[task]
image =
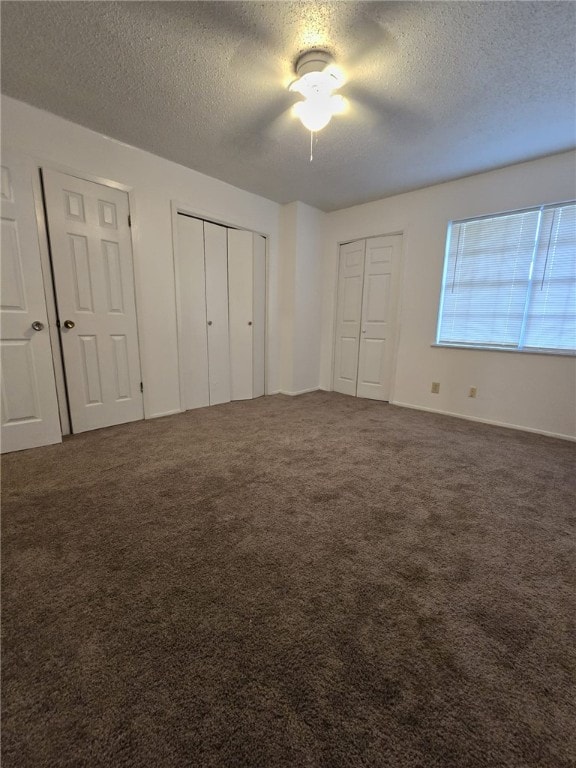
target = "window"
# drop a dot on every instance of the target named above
(510, 281)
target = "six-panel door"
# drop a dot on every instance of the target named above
(349, 316)
(94, 281)
(366, 316)
(377, 335)
(29, 405)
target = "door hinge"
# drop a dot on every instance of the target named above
(129, 220)
(141, 386)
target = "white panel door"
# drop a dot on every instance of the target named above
(94, 281)
(29, 405)
(259, 315)
(377, 338)
(241, 289)
(194, 390)
(348, 316)
(216, 261)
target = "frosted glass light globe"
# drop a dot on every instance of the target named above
(314, 114)
(319, 104)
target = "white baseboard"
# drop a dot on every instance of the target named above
(294, 394)
(486, 421)
(164, 413)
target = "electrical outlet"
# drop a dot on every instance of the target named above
(435, 387)
(472, 392)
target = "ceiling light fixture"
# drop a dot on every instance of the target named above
(317, 80)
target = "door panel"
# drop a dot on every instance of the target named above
(120, 344)
(91, 369)
(348, 359)
(29, 406)
(378, 317)
(80, 271)
(94, 281)
(113, 277)
(241, 286)
(373, 360)
(192, 305)
(352, 290)
(216, 261)
(19, 384)
(13, 298)
(349, 314)
(377, 298)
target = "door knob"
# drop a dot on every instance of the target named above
(209, 322)
(364, 330)
(37, 325)
(69, 323)
(249, 322)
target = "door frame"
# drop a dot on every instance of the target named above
(49, 288)
(339, 244)
(224, 220)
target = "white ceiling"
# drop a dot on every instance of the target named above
(438, 90)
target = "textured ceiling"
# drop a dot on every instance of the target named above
(438, 90)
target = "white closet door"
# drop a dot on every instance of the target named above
(192, 314)
(94, 280)
(241, 289)
(259, 315)
(349, 315)
(216, 262)
(378, 317)
(29, 406)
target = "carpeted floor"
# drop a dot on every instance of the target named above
(311, 581)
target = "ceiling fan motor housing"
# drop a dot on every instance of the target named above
(312, 61)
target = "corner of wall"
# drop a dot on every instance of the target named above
(301, 229)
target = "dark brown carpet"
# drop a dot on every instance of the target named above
(312, 581)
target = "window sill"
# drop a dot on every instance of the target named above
(556, 352)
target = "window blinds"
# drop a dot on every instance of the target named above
(551, 316)
(510, 281)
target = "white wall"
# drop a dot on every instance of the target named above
(531, 391)
(301, 238)
(308, 298)
(288, 223)
(154, 182)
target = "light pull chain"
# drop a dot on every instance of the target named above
(313, 140)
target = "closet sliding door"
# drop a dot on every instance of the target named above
(193, 341)
(221, 278)
(216, 266)
(246, 281)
